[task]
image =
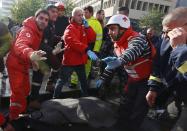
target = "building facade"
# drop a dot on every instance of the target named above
(137, 8)
(182, 3)
(6, 6)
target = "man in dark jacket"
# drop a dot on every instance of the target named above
(60, 25)
(52, 48)
(170, 63)
(62, 21)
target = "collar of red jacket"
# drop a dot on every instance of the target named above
(128, 34)
(31, 23)
(76, 24)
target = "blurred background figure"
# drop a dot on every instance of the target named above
(100, 16)
(123, 10)
(152, 36)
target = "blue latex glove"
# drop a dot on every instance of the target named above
(109, 59)
(99, 83)
(113, 64)
(92, 55)
(85, 23)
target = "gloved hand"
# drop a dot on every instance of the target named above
(99, 83)
(113, 64)
(109, 59)
(37, 56)
(85, 23)
(92, 55)
(57, 49)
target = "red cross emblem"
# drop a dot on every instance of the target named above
(125, 19)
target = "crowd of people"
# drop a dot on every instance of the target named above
(66, 48)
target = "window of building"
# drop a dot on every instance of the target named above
(161, 8)
(121, 3)
(145, 6)
(150, 6)
(113, 2)
(109, 3)
(127, 3)
(139, 5)
(105, 4)
(156, 6)
(166, 9)
(133, 4)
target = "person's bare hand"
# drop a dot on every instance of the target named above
(178, 36)
(37, 55)
(151, 97)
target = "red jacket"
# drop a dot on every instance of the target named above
(27, 40)
(140, 68)
(76, 39)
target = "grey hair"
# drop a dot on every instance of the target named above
(76, 9)
(179, 13)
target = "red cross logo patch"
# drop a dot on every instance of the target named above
(125, 19)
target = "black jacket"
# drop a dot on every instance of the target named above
(48, 43)
(170, 68)
(60, 25)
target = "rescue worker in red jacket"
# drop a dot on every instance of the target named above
(134, 53)
(23, 53)
(76, 38)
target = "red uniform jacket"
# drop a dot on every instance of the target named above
(18, 64)
(77, 38)
(139, 61)
(27, 40)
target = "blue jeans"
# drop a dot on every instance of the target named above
(64, 76)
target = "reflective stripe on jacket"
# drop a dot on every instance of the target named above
(96, 26)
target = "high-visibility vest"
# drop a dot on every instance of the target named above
(96, 26)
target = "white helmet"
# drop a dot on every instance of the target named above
(122, 20)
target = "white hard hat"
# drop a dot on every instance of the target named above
(119, 19)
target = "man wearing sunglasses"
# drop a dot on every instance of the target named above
(170, 65)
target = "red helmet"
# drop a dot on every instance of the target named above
(60, 5)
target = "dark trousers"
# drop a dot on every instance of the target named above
(64, 76)
(37, 80)
(181, 97)
(133, 107)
